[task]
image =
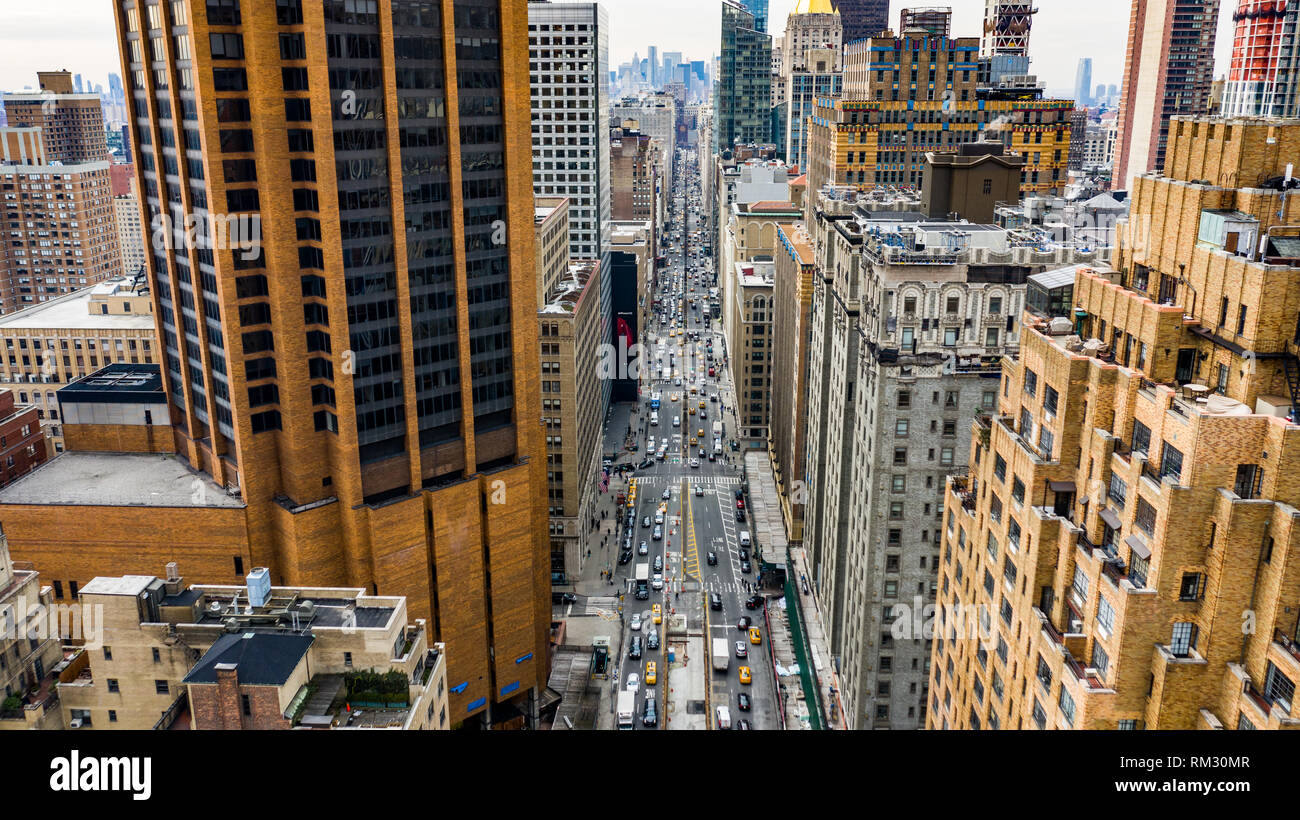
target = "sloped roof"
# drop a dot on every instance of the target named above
(261, 658)
(1105, 202)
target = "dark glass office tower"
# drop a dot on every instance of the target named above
(742, 101)
(862, 18)
(758, 8)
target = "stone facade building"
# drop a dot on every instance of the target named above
(1131, 503)
(909, 320)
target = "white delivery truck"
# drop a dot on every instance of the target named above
(721, 655)
(717, 429)
(724, 717)
(626, 708)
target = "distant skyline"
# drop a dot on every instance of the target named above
(1062, 32)
(77, 35)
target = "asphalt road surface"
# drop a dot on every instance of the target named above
(694, 524)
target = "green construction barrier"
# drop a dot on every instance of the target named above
(811, 694)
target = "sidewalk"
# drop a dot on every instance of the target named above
(604, 541)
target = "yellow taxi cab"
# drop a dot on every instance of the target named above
(657, 612)
(694, 390)
(692, 411)
(676, 397)
(694, 441)
(745, 677)
(700, 432)
(651, 678)
(755, 637)
(702, 403)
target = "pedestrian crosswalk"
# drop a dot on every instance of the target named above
(691, 478)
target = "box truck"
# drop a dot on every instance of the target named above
(721, 655)
(626, 708)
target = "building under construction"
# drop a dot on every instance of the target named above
(937, 20)
(1006, 28)
(1264, 76)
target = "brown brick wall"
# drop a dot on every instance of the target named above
(220, 705)
(119, 438)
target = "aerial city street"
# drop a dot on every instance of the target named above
(696, 365)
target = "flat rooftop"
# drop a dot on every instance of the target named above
(117, 480)
(119, 382)
(72, 312)
(131, 585)
(328, 612)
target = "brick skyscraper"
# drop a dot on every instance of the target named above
(1123, 553)
(72, 123)
(362, 384)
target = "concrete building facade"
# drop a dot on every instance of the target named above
(909, 320)
(569, 71)
(572, 411)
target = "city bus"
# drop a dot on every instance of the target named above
(642, 581)
(654, 401)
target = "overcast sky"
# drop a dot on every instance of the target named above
(78, 35)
